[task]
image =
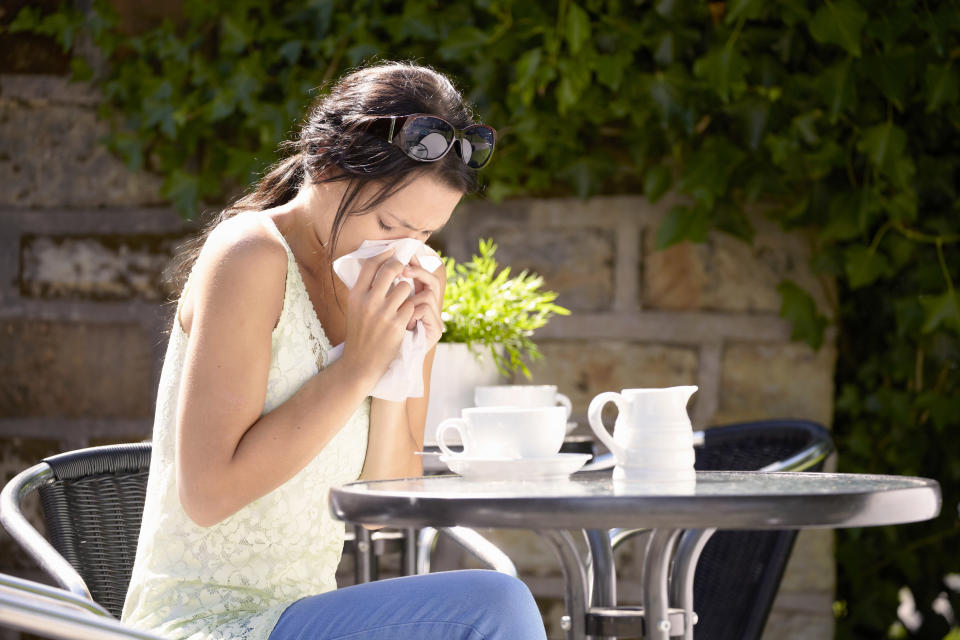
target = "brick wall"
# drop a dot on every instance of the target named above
(83, 327)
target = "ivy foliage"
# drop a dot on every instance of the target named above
(838, 117)
(484, 306)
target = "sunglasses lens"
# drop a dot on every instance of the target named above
(427, 138)
(477, 145)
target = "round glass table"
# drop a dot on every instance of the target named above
(593, 500)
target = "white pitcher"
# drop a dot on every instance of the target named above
(652, 438)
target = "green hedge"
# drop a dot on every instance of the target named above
(836, 117)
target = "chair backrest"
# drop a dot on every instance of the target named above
(92, 508)
(739, 572)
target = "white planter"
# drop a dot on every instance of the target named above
(456, 371)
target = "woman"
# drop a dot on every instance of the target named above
(255, 421)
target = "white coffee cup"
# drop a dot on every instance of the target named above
(506, 432)
(520, 395)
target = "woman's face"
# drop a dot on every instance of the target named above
(415, 211)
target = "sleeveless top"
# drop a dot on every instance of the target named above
(233, 580)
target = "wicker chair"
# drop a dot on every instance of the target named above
(92, 502)
(735, 604)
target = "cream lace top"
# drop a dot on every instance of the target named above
(234, 579)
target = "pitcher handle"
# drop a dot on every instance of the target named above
(565, 403)
(594, 417)
(452, 423)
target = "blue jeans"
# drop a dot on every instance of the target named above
(451, 605)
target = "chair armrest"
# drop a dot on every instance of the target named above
(13, 520)
(56, 613)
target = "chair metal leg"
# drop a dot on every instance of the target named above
(575, 582)
(684, 567)
(659, 623)
(426, 540)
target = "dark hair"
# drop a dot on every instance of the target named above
(341, 141)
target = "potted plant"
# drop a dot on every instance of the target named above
(489, 320)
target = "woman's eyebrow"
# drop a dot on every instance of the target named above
(395, 219)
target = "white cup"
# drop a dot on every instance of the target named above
(521, 395)
(506, 432)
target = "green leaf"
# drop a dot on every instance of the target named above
(708, 170)
(183, 190)
(681, 223)
(836, 87)
(941, 311)
(657, 182)
(839, 23)
(526, 67)
(746, 9)
(578, 27)
(724, 69)
(461, 41)
(882, 144)
(864, 266)
(798, 307)
(891, 73)
(941, 84)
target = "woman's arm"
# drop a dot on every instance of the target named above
(227, 454)
(396, 432)
(396, 428)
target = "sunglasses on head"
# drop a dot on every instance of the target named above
(428, 138)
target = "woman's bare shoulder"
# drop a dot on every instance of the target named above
(242, 266)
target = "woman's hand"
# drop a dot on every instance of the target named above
(427, 300)
(378, 313)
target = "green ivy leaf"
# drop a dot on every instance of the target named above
(462, 40)
(941, 311)
(724, 69)
(837, 88)
(799, 308)
(839, 23)
(183, 189)
(746, 9)
(681, 223)
(941, 84)
(884, 146)
(864, 266)
(578, 27)
(891, 73)
(657, 182)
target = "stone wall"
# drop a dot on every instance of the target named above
(83, 323)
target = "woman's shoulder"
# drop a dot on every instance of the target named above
(242, 255)
(244, 241)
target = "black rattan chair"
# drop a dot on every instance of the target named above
(92, 502)
(739, 572)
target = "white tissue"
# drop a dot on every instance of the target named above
(404, 377)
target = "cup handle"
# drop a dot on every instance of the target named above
(565, 401)
(594, 413)
(446, 425)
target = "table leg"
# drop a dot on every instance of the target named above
(602, 571)
(574, 582)
(655, 573)
(362, 554)
(684, 567)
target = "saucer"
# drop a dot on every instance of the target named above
(561, 464)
